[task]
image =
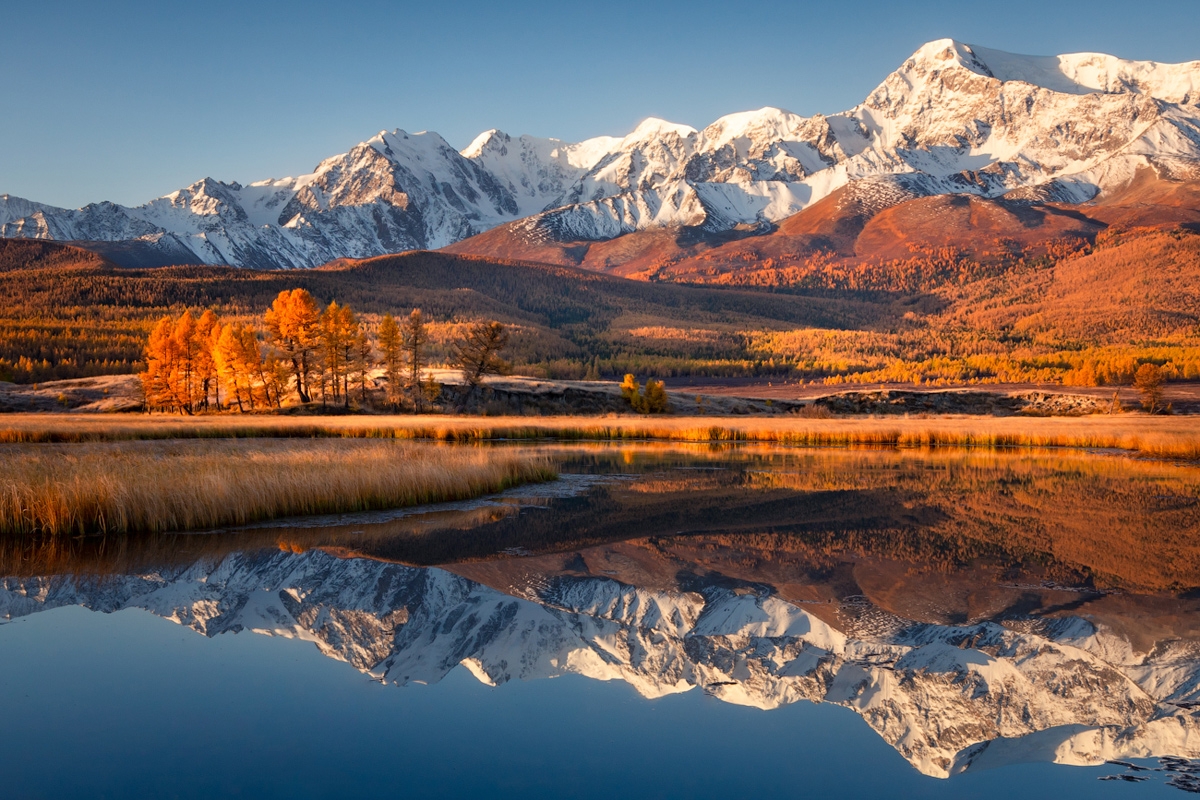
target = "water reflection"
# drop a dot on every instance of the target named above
(975, 609)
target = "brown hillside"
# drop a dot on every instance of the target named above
(866, 227)
(636, 255)
(1149, 201)
(18, 254)
(977, 226)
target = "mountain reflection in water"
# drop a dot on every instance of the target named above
(974, 609)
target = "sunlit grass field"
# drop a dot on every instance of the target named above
(180, 485)
(1164, 437)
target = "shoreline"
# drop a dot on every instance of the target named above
(181, 485)
(1175, 437)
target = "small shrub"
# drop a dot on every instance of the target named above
(814, 411)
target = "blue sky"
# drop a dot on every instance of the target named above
(126, 100)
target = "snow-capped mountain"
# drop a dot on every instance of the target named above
(953, 118)
(947, 698)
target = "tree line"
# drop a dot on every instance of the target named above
(306, 353)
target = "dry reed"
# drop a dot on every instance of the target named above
(190, 485)
(1161, 437)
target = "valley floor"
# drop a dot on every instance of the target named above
(704, 397)
(1184, 396)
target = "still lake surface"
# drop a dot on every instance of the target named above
(664, 621)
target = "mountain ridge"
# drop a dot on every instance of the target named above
(954, 118)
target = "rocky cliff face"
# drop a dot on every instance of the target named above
(952, 119)
(948, 698)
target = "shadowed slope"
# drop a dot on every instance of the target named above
(18, 254)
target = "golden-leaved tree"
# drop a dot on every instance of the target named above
(391, 348)
(180, 372)
(294, 324)
(250, 376)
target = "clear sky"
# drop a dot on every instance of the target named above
(126, 100)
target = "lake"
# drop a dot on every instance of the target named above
(664, 621)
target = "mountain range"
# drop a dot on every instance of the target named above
(960, 140)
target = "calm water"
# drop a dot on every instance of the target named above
(664, 622)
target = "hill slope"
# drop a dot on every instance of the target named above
(73, 320)
(1088, 316)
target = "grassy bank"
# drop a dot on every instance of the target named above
(117, 487)
(1162, 437)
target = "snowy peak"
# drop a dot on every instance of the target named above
(653, 129)
(1073, 73)
(765, 123)
(15, 208)
(489, 141)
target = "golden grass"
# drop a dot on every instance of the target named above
(1161, 437)
(119, 487)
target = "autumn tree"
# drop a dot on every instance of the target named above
(340, 331)
(649, 400)
(208, 328)
(241, 367)
(294, 324)
(160, 363)
(391, 348)
(180, 373)
(415, 338)
(225, 358)
(631, 391)
(183, 377)
(333, 347)
(478, 353)
(276, 374)
(356, 351)
(1148, 380)
(361, 361)
(654, 397)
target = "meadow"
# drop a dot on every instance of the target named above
(181, 485)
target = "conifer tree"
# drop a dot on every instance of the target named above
(478, 353)
(226, 356)
(160, 356)
(351, 330)
(183, 376)
(1148, 380)
(333, 345)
